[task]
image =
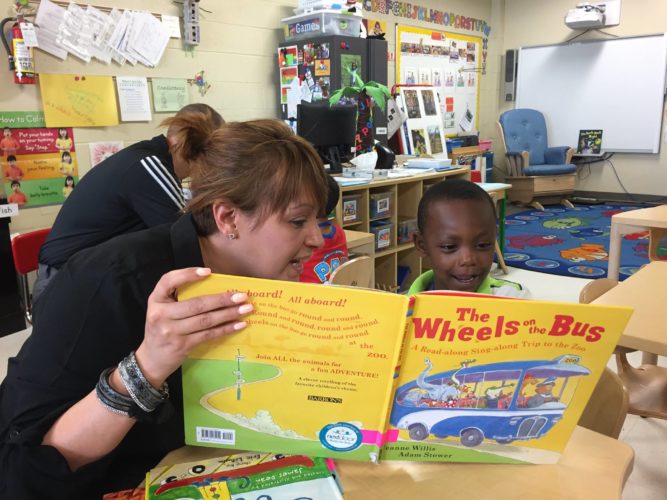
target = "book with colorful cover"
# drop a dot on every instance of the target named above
(244, 476)
(590, 142)
(362, 374)
(312, 373)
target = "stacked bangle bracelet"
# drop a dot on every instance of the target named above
(143, 399)
(147, 397)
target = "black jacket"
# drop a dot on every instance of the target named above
(92, 316)
(134, 189)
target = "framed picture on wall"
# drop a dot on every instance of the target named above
(422, 133)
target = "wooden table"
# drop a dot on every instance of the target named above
(654, 217)
(592, 466)
(360, 242)
(645, 292)
(498, 191)
(646, 331)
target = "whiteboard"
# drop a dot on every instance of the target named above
(616, 85)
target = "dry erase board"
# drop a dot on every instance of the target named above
(616, 85)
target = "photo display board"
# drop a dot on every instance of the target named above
(422, 132)
(450, 62)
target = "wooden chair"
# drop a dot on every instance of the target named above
(593, 289)
(606, 409)
(354, 272)
(646, 385)
(25, 251)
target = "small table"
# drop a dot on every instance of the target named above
(360, 242)
(654, 217)
(592, 466)
(645, 292)
(646, 331)
(497, 191)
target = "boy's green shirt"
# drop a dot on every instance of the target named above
(490, 286)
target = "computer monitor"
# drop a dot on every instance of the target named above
(331, 129)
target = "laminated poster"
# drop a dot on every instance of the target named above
(39, 165)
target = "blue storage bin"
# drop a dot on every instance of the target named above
(453, 143)
(489, 165)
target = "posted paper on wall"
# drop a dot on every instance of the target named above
(169, 94)
(133, 98)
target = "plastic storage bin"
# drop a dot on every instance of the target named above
(382, 231)
(406, 227)
(485, 144)
(351, 209)
(489, 165)
(381, 204)
(322, 22)
(453, 144)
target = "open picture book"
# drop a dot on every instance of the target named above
(361, 374)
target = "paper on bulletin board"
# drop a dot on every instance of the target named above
(100, 151)
(133, 98)
(169, 94)
(78, 101)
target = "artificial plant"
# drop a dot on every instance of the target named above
(363, 95)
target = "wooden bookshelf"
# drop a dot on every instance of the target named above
(405, 193)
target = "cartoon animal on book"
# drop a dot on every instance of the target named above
(437, 394)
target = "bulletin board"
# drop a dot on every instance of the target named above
(451, 63)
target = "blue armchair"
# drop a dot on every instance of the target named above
(536, 171)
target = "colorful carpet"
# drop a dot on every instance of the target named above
(572, 241)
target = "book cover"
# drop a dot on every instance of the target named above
(481, 379)
(312, 373)
(590, 142)
(244, 476)
(486, 379)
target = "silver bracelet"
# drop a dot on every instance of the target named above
(111, 399)
(147, 397)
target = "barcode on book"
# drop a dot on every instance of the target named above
(218, 436)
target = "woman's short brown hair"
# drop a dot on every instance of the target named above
(258, 166)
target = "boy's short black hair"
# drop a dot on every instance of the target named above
(11, 158)
(333, 194)
(15, 183)
(448, 190)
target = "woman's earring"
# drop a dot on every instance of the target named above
(231, 236)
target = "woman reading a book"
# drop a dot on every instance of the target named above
(93, 400)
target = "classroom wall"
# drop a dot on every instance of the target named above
(538, 22)
(237, 52)
(238, 41)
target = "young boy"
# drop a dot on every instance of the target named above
(8, 143)
(325, 260)
(17, 195)
(456, 223)
(13, 172)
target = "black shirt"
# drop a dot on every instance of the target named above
(92, 316)
(134, 189)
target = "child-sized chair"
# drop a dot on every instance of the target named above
(645, 384)
(607, 408)
(25, 251)
(354, 272)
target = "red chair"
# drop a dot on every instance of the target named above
(25, 250)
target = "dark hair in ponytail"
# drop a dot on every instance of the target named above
(190, 129)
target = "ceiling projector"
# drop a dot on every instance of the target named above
(585, 16)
